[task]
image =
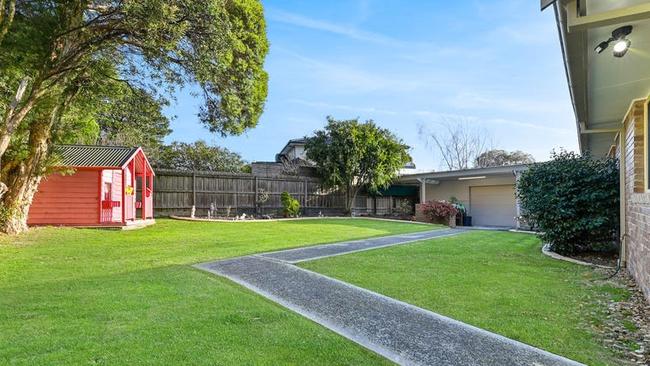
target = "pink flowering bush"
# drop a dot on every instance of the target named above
(437, 210)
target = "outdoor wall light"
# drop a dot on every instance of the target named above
(621, 47)
(621, 44)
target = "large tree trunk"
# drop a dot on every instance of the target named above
(14, 116)
(23, 182)
(350, 196)
(23, 178)
(16, 202)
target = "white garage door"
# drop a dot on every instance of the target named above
(493, 205)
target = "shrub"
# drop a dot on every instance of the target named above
(573, 200)
(290, 205)
(439, 210)
(459, 205)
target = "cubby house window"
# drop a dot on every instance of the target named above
(107, 191)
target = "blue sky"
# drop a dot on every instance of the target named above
(496, 64)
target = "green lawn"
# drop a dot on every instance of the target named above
(494, 280)
(71, 296)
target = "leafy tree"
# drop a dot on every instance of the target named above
(199, 156)
(7, 13)
(60, 61)
(350, 155)
(574, 200)
(494, 158)
(133, 119)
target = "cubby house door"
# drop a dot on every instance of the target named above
(111, 197)
(107, 210)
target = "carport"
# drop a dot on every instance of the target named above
(487, 193)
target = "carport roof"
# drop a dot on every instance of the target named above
(454, 174)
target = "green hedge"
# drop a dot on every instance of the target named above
(574, 201)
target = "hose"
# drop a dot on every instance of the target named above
(618, 262)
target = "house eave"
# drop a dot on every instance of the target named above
(455, 174)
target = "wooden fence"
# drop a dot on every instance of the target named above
(230, 194)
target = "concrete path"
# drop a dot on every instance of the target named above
(401, 332)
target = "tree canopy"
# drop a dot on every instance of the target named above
(63, 63)
(133, 119)
(350, 155)
(198, 156)
(492, 158)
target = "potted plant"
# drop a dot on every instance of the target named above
(461, 215)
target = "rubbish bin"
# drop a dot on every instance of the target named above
(467, 220)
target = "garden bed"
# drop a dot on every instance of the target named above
(271, 218)
(597, 258)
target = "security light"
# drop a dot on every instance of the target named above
(621, 44)
(621, 47)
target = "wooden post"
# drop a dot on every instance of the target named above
(256, 188)
(143, 195)
(236, 194)
(304, 182)
(99, 191)
(193, 188)
(123, 203)
(133, 195)
(374, 205)
(151, 187)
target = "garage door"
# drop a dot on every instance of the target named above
(493, 205)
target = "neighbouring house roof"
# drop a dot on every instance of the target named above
(454, 174)
(291, 143)
(97, 156)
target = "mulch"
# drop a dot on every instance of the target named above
(600, 258)
(626, 327)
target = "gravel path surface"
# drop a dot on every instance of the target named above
(403, 333)
(327, 250)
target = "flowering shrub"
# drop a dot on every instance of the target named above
(437, 210)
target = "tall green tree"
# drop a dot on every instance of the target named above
(198, 156)
(351, 155)
(58, 58)
(134, 118)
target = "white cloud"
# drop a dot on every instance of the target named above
(325, 26)
(346, 79)
(439, 117)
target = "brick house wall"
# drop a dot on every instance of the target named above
(637, 198)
